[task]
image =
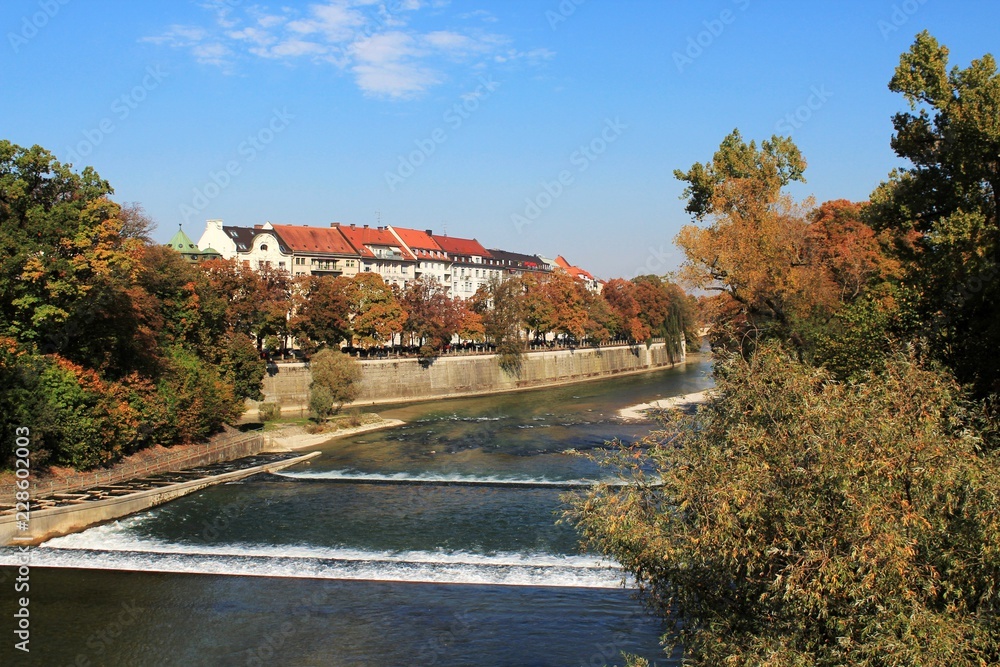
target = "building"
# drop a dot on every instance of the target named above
(471, 264)
(319, 251)
(432, 260)
(229, 241)
(580, 274)
(382, 253)
(190, 250)
(518, 264)
(400, 255)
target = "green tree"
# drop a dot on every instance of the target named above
(943, 208)
(336, 379)
(500, 302)
(799, 521)
(740, 178)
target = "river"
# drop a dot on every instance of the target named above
(434, 543)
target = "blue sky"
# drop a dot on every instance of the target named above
(548, 126)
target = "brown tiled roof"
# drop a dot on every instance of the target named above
(464, 247)
(365, 236)
(327, 240)
(420, 242)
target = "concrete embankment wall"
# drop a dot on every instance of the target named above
(188, 457)
(397, 380)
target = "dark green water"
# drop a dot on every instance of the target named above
(432, 543)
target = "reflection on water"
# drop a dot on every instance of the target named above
(467, 493)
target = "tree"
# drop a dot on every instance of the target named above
(799, 521)
(375, 311)
(854, 256)
(336, 380)
(258, 299)
(500, 303)
(431, 315)
(539, 309)
(568, 297)
(943, 209)
(741, 179)
(621, 297)
(322, 311)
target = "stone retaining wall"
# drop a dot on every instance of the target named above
(399, 380)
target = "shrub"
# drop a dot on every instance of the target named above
(269, 412)
(795, 520)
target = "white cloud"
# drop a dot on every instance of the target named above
(372, 39)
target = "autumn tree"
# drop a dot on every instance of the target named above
(741, 179)
(538, 308)
(800, 521)
(621, 297)
(375, 311)
(432, 316)
(111, 342)
(321, 311)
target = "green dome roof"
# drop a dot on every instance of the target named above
(183, 244)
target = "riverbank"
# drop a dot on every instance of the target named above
(640, 412)
(296, 437)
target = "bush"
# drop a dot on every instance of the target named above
(268, 412)
(795, 520)
(335, 380)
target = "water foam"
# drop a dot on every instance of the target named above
(456, 479)
(115, 547)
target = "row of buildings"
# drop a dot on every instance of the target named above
(398, 254)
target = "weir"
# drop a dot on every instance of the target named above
(404, 479)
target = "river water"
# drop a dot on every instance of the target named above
(434, 543)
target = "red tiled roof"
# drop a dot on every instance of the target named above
(419, 242)
(456, 246)
(299, 238)
(365, 236)
(574, 271)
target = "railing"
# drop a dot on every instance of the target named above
(484, 349)
(243, 444)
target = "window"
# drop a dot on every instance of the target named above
(263, 247)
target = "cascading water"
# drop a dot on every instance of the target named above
(457, 506)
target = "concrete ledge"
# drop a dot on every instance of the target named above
(49, 523)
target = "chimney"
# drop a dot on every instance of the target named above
(366, 226)
(335, 224)
(353, 226)
(429, 232)
(258, 226)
